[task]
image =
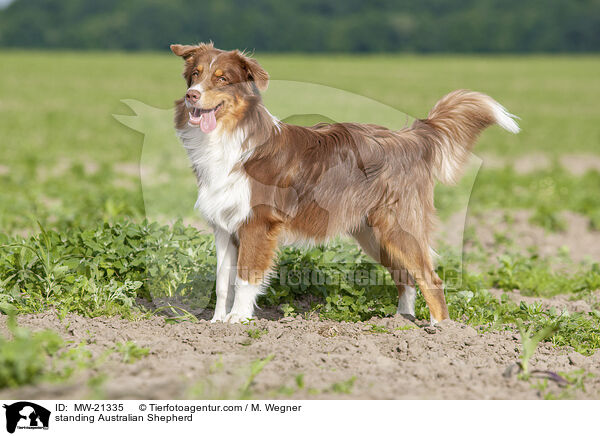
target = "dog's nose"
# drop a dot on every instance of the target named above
(192, 96)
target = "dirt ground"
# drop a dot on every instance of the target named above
(410, 360)
(582, 243)
(203, 360)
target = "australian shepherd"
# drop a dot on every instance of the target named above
(262, 182)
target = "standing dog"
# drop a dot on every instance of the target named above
(261, 181)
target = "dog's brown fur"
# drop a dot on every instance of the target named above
(361, 179)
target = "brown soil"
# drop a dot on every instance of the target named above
(576, 164)
(409, 361)
(582, 243)
(560, 302)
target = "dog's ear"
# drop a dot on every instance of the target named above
(254, 71)
(185, 51)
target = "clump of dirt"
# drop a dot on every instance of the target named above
(387, 358)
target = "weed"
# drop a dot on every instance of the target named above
(532, 275)
(33, 357)
(343, 387)
(377, 329)
(207, 389)
(300, 381)
(24, 359)
(288, 310)
(130, 352)
(406, 327)
(529, 342)
(255, 368)
(575, 381)
(217, 365)
(257, 333)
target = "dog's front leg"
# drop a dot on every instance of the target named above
(227, 254)
(257, 242)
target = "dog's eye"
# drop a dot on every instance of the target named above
(195, 74)
(221, 79)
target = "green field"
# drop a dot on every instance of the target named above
(57, 119)
(73, 230)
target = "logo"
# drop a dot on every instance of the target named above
(26, 415)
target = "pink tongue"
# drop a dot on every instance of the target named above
(208, 122)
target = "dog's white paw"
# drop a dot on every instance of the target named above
(218, 317)
(236, 318)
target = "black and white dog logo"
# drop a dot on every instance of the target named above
(26, 415)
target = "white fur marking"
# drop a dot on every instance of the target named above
(223, 194)
(276, 121)
(197, 87)
(406, 302)
(504, 119)
(226, 270)
(245, 297)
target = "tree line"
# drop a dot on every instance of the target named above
(466, 26)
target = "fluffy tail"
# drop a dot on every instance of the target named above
(453, 126)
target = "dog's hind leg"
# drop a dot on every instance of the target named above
(405, 284)
(406, 246)
(258, 242)
(407, 252)
(406, 300)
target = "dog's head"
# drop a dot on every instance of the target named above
(221, 85)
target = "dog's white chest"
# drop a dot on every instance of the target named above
(223, 193)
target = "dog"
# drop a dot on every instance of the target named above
(262, 182)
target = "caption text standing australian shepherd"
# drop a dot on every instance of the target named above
(262, 182)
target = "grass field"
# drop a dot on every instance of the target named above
(83, 232)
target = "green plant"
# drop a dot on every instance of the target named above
(406, 327)
(32, 357)
(529, 342)
(130, 351)
(343, 387)
(257, 333)
(374, 328)
(255, 368)
(25, 358)
(574, 382)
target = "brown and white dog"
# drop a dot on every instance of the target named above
(261, 181)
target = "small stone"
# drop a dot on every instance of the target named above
(431, 330)
(576, 359)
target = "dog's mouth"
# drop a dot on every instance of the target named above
(205, 118)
